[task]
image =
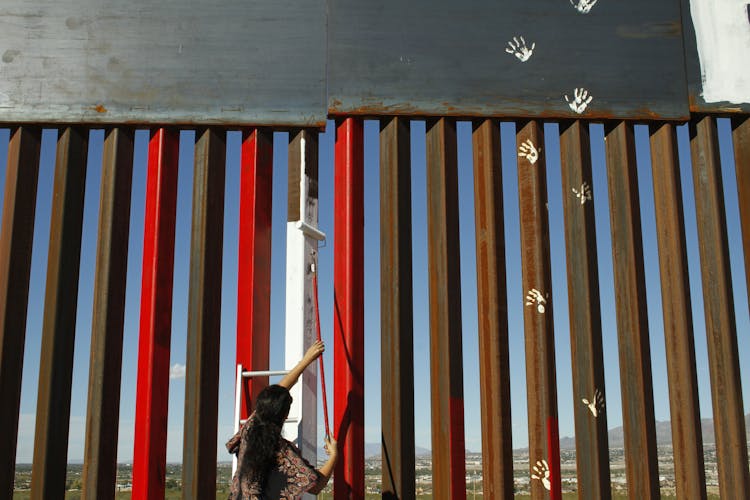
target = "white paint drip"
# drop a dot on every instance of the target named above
(722, 33)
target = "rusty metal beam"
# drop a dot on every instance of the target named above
(541, 386)
(204, 317)
(494, 366)
(687, 442)
(641, 466)
(446, 363)
(59, 325)
(721, 330)
(254, 263)
(592, 443)
(16, 238)
(396, 311)
(741, 139)
(105, 366)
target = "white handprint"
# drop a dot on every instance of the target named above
(529, 151)
(541, 472)
(596, 404)
(534, 296)
(584, 194)
(583, 6)
(581, 99)
(519, 49)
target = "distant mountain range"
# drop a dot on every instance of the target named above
(616, 438)
(663, 434)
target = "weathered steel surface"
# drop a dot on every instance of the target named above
(717, 72)
(446, 361)
(105, 366)
(741, 137)
(204, 317)
(152, 393)
(22, 172)
(687, 442)
(589, 395)
(60, 304)
(718, 304)
(541, 385)
(197, 62)
(641, 467)
(494, 365)
(428, 57)
(348, 309)
(254, 263)
(396, 311)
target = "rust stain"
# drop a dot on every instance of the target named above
(100, 108)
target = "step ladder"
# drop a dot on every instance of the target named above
(239, 388)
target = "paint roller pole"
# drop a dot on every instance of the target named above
(320, 358)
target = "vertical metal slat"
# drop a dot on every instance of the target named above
(204, 317)
(721, 329)
(641, 467)
(592, 442)
(21, 176)
(741, 139)
(60, 304)
(494, 365)
(348, 304)
(396, 310)
(254, 265)
(105, 366)
(687, 443)
(541, 386)
(152, 393)
(446, 363)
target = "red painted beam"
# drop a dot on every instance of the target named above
(152, 397)
(348, 304)
(254, 269)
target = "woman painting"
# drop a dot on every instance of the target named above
(269, 466)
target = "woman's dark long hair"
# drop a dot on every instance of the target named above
(264, 433)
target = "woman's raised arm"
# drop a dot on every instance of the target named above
(310, 356)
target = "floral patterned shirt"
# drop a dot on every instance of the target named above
(291, 476)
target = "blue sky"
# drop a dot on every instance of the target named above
(372, 287)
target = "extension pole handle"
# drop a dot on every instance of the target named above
(320, 358)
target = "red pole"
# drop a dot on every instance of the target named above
(320, 359)
(348, 344)
(152, 396)
(254, 269)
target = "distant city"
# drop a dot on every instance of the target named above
(474, 483)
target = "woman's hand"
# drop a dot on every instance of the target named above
(331, 447)
(327, 469)
(310, 356)
(314, 352)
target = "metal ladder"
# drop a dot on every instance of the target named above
(239, 387)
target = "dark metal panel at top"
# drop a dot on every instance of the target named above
(172, 61)
(550, 58)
